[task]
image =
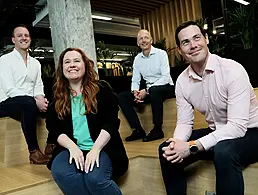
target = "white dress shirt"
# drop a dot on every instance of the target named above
(18, 78)
(154, 69)
(224, 95)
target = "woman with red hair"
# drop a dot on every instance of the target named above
(84, 120)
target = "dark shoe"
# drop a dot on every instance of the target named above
(49, 149)
(153, 135)
(136, 134)
(37, 157)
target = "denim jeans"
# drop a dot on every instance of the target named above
(73, 181)
(229, 158)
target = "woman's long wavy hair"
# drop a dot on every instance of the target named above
(62, 89)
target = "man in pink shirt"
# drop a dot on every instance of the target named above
(219, 88)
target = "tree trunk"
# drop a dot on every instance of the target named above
(71, 26)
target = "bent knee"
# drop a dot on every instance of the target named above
(164, 144)
(96, 182)
(224, 153)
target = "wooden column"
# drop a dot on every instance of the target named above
(71, 26)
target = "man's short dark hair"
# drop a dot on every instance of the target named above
(185, 25)
(20, 25)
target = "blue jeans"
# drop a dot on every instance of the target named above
(73, 181)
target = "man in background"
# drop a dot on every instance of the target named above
(152, 64)
(21, 91)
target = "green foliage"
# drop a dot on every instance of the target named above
(179, 60)
(103, 53)
(161, 44)
(47, 71)
(127, 66)
(244, 20)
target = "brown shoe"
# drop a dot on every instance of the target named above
(37, 157)
(49, 149)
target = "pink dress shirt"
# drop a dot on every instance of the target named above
(224, 95)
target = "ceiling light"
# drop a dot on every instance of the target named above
(214, 31)
(39, 50)
(242, 2)
(101, 17)
(123, 54)
(205, 26)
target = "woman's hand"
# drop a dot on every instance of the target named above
(91, 158)
(77, 155)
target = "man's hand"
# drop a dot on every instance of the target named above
(139, 95)
(42, 103)
(136, 93)
(142, 94)
(176, 151)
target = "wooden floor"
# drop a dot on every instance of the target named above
(16, 178)
(25, 178)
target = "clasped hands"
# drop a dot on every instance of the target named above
(176, 151)
(86, 164)
(42, 103)
(139, 95)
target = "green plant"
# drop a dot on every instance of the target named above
(103, 53)
(47, 71)
(161, 44)
(243, 19)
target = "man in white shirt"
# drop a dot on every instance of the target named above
(220, 89)
(21, 90)
(151, 64)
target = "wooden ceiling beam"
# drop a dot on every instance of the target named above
(121, 6)
(153, 3)
(139, 4)
(124, 13)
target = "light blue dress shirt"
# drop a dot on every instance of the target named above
(154, 69)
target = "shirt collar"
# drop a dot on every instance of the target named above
(15, 52)
(152, 51)
(210, 66)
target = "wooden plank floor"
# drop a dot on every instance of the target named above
(15, 178)
(21, 179)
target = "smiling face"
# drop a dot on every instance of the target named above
(193, 45)
(144, 40)
(21, 38)
(73, 66)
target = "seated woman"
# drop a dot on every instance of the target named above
(84, 120)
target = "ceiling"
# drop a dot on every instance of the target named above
(132, 8)
(14, 12)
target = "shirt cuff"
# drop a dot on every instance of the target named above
(208, 141)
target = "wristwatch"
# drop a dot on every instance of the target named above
(193, 147)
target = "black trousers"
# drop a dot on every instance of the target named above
(157, 95)
(24, 109)
(229, 158)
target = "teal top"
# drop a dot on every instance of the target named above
(80, 125)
